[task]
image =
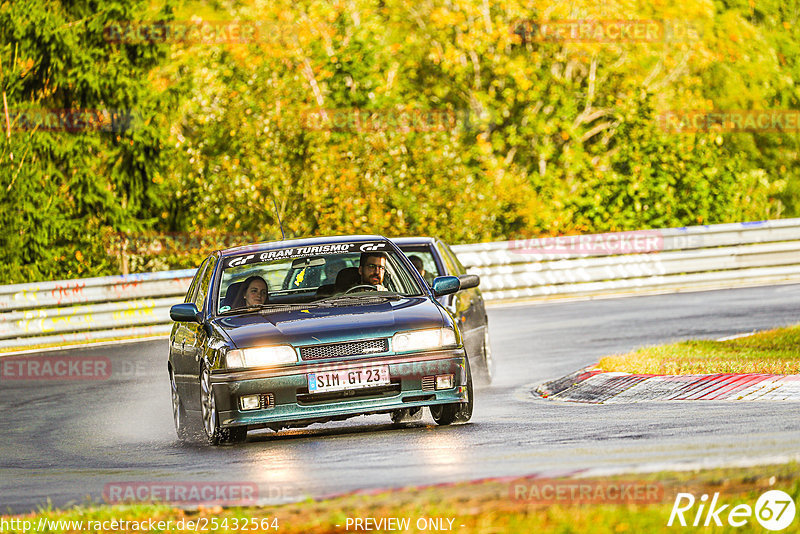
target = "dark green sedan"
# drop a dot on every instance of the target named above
(433, 257)
(290, 333)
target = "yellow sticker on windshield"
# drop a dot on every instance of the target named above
(300, 276)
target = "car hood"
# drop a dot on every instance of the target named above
(331, 324)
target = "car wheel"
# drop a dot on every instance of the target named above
(485, 365)
(215, 435)
(407, 415)
(457, 412)
(464, 412)
(183, 427)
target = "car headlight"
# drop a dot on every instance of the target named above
(435, 338)
(260, 356)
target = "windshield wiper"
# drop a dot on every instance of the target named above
(287, 307)
(271, 308)
(358, 297)
(242, 309)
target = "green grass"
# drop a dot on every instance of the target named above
(477, 507)
(773, 351)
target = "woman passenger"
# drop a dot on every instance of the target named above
(253, 292)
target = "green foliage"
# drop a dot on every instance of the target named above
(656, 179)
(62, 189)
(758, 67)
(511, 136)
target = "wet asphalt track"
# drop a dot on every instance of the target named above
(64, 441)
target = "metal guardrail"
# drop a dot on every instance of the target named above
(102, 289)
(90, 308)
(673, 259)
(649, 261)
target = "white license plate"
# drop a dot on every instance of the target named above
(355, 378)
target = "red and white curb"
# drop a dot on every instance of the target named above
(598, 387)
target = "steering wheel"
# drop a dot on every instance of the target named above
(361, 287)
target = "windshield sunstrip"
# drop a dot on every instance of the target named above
(307, 251)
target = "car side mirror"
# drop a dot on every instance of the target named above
(468, 281)
(445, 285)
(185, 313)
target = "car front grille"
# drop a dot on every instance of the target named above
(350, 348)
(428, 383)
(267, 400)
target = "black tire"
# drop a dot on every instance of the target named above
(484, 366)
(187, 432)
(233, 435)
(444, 414)
(464, 412)
(406, 415)
(457, 412)
(214, 434)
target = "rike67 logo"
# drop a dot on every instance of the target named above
(774, 510)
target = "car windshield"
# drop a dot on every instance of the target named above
(313, 274)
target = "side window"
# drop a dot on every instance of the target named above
(429, 263)
(460, 269)
(448, 260)
(202, 289)
(425, 255)
(195, 281)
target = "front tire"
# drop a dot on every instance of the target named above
(484, 371)
(457, 412)
(183, 427)
(214, 434)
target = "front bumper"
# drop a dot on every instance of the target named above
(410, 387)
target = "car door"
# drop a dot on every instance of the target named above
(180, 331)
(467, 304)
(196, 336)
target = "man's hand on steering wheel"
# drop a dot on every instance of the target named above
(361, 287)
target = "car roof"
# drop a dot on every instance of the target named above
(419, 240)
(303, 242)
